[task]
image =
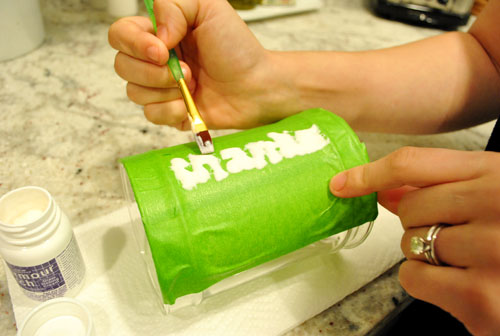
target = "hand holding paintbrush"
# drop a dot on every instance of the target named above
(232, 78)
(200, 130)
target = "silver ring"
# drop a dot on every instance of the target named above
(435, 260)
(425, 246)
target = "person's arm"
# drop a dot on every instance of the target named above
(427, 186)
(438, 84)
(443, 83)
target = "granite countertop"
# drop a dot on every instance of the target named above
(66, 120)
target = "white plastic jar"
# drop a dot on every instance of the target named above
(21, 27)
(38, 245)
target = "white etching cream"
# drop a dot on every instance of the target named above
(38, 245)
(255, 155)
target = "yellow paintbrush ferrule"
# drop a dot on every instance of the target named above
(196, 122)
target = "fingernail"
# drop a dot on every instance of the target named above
(161, 33)
(153, 54)
(338, 181)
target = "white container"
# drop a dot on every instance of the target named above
(21, 27)
(61, 316)
(38, 245)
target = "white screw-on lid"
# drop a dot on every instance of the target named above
(61, 316)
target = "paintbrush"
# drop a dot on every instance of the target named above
(200, 130)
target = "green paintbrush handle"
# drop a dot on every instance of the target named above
(173, 60)
(174, 65)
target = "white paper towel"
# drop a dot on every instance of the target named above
(122, 301)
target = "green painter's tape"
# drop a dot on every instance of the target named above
(217, 229)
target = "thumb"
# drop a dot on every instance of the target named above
(173, 18)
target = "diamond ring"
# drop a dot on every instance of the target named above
(425, 246)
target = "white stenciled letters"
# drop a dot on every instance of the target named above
(262, 149)
(310, 140)
(239, 160)
(199, 173)
(284, 145)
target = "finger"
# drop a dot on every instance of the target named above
(145, 95)
(134, 36)
(147, 74)
(406, 243)
(176, 17)
(468, 294)
(467, 245)
(470, 245)
(170, 113)
(173, 19)
(450, 203)
(390, 199)
(444, 248)
(417, 167)
(184, 125)
(438, 285)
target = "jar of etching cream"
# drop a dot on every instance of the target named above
(38, 245)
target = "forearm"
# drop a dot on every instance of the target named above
(439, 84)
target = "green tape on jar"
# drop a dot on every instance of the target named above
(262, 194)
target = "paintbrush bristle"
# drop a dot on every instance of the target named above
(204, 141)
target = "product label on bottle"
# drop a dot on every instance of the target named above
(53, 278)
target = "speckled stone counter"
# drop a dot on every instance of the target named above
(65, 120)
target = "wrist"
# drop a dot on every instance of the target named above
(278, 96)
(297, 81)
